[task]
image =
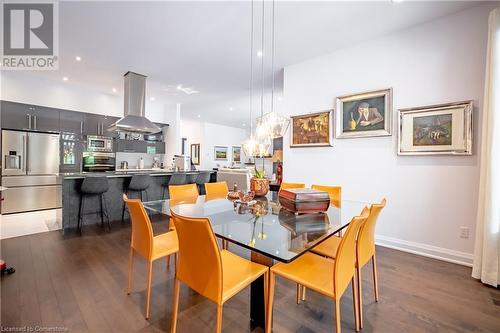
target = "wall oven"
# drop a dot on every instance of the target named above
(99, 144)
(98, 162)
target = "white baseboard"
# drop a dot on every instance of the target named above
(435, 252)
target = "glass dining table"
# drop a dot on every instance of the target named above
(270, 232)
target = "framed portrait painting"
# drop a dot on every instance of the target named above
(444, 129)
(312, 130)
(364, 115)
(236, 154)
(220, 153)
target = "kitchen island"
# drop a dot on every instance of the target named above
(118, 183)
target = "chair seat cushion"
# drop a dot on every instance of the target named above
(165, 244)
(238, 273)
(310, 270)
(328, 248)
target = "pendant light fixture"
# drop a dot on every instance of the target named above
(273, 124)
(250, 145)
(264, 141)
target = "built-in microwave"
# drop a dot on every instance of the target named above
(99, 143)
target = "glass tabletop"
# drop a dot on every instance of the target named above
(264, 227)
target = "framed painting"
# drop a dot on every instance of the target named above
(444, 129)
(220, 153)
(195, 153)
(364, 115)
(236, 156)
(312, 130)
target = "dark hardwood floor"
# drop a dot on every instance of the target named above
(79, 283)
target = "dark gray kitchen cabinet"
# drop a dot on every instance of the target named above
(95, 124)
(44, 119)
(71, 122)
(21, 116)
(16, 116)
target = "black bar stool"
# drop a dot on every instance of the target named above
(201, 179)
(138, 184)
(175, 179)
(94, 186)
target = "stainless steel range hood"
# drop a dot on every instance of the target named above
(134, 119)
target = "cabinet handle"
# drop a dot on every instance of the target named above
(28, 116)
(98, 129)
(81, 127)
(34, 122)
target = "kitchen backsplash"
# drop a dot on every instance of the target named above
(133, 159)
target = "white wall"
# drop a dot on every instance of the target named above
(209, 135)
(429, 198)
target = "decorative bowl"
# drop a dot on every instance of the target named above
(234, 195)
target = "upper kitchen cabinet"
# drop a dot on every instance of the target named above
(16, 116)
(19, 116)
(95, 124)
(44, 119)
(71, 122)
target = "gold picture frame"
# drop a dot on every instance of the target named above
(312, 130)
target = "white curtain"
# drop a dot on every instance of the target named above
(487, 248)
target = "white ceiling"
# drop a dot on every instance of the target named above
(206, 45)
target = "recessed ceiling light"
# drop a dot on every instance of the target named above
(114, 89)
(152, 99)
(78, 58)
(65, 78)
(243, 125)
(179, 86)
(199, 116)
(231, 108)
(396, 1)
(259, 54)
(279, 99)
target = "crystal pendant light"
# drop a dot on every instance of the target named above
(250, 146)
(272, 124)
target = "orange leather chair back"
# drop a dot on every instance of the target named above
(200, 264)
(335, 193)
(345, 258)
(216, 188)
(180, 192)
(366, 237)
(142, 231)
(285, 186)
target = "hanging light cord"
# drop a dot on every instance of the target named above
(262, 63)
(272, 65)
(251, 73)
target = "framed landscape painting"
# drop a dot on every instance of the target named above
(364, 115)
(236, 154)
(436, 130)
(220, 153)
(312, 130)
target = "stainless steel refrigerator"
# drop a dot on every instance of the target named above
(30, 170)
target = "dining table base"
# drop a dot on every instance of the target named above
(257, 299)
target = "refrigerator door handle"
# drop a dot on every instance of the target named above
(25, 154)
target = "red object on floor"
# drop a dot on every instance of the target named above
(3, 265)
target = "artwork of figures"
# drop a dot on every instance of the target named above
(236, 154)
(312, 130)
(432, 130)
(437, 129)
(364, 115)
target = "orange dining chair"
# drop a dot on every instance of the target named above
(335, 193)
(180, 192)
(145, 244)
(327, 276)
(365, 251)
(216, 188)
(215, 274)
(285, 186)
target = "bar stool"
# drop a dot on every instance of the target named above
(201, 179)
(138, 184)
(93, 187)
(175, 179)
